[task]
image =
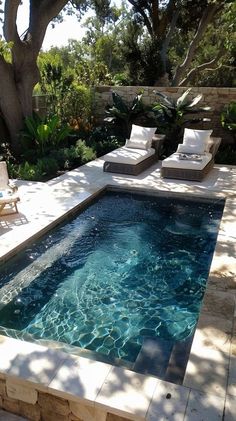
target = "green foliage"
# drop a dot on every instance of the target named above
(171, 115)
(43, 134)
(65, 97)
(228, 121)
(41, 170)
(123, 115)
(228, 118)
(103, 140)
(57, 160)
(91, 73)
(226, 155)
(5, 49)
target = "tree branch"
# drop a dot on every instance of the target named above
(140, 10)
(10, 15)
(207, 17)
(203, 66)
(166, 18)
(41, 14)
(155, 15)
(167, 40)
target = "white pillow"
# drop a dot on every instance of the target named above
(140, 137)
(197, 137)
(198, 149)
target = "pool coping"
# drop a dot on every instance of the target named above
(210, 379)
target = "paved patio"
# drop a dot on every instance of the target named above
(209, 389)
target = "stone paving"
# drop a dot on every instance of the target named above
(209, 389)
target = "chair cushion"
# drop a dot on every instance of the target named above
(173, 161)
(140, 137)
(195, 149)
(197, 137)
(126, 155)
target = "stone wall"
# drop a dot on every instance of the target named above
(216, 98)
(36, 405)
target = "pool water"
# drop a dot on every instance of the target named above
(128, 268)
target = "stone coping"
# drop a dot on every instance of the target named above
(209, 387)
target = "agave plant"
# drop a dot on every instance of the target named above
(172, 115)
(123, 115)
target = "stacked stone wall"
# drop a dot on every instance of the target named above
(215, 98)
(35, 405)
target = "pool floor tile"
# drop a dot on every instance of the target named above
(126, 393)
(204, 407)
(79, 378)
(168, 403)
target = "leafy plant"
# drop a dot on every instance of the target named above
(102, 140)
(171, 115)
(228, 120)
(44, 134)
(41, 170)
(226, 155)
(123, 115)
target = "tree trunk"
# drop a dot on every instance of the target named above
(17, 80)
(10, 104)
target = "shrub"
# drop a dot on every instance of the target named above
(43, 134)
(123, 115)
(226, 155)
(43, 169)
(65, 98)
(103, 141)
(228, 120)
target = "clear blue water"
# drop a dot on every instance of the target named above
(129, 267)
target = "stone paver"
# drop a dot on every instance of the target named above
(6, 416)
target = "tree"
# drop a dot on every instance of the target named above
(163, 20)
(18, 77)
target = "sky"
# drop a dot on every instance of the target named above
(59, 36)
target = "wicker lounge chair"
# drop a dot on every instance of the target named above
(139, 152)
(8, 196)
(191, 166)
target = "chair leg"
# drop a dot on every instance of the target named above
(2, 207)
(16, 208)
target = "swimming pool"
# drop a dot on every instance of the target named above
(125, 276)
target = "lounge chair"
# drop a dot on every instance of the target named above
(8, 195)
(139, 152)
(194, 157)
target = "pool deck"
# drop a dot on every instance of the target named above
(209, 388)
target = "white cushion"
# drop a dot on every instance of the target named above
(197, 137)
(126, 155)
(195, 149)
(173, 161)
(140, 137)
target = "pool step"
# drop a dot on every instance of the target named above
(178, 361)
(164, 359)
(153, 357)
